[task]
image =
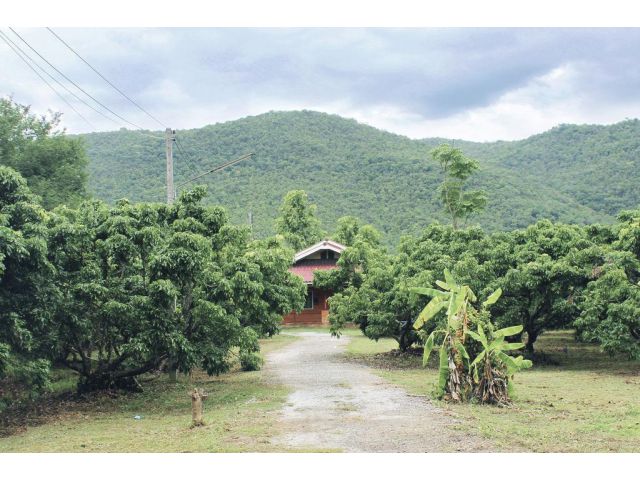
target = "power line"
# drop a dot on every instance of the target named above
(5, 39)
(148, 135)
(215, 169)
(74, 83)
(105, 79)
(58, 82)
(187, 156)
(182, 151)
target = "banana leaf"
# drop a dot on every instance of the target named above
(478, 358)
(483, 337)
(493, 298)
(508, 331)
(428, 346)
(443, 371)
(455, 304)
(470, 294)
(475, 336)
(496, 344)
(512, 365)
(428, 312)
(449, 279)
(431, 292)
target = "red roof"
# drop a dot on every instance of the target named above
(305, 270)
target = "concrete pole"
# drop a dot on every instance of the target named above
(169, 136)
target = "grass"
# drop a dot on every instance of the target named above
(586, 402)
(349, 332)
(239, 416)
(580, 400)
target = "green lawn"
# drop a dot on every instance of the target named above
(239, 416)
(587, 403)
(349, 332)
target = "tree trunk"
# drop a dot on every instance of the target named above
(531, 338)
(107, 381)
(173, 371)
(407, 336)
(197, 397)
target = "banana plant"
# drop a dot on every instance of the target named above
(452, 377)
(495, 385)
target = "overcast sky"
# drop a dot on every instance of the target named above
(475, 84)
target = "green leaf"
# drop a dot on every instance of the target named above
(431, 292)
(462, 350)
(444, 370)
(442, 285)
(474, 335)
(483, 337)
(496, 344)
(428, 346)
(455, 305)
(507, 332)
(512, 365)
(479, 358)
(523, 363)
(449, 279)
(428, 312)
(512, 346)
(470, 294)
(493, 298)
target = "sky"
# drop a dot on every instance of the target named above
(475, 84)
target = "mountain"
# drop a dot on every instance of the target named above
(580, 174)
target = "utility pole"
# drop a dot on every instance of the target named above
(171, 194)
(251, 223)
(169, 139)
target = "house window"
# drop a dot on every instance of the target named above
(327, 255)
(309, 300)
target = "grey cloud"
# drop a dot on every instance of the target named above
(431, 73)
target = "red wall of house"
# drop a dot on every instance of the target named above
(319, 315)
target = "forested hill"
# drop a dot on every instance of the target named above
(570, 173)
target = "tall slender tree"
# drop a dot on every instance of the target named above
(457, 168)
(297, 222)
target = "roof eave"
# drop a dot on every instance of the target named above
(323, 245)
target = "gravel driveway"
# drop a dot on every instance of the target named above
(339, 405)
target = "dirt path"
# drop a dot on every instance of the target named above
(339, 405)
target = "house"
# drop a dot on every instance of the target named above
(321, 256)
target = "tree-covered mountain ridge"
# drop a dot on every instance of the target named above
(571, 173)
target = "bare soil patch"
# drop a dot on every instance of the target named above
(336, 404)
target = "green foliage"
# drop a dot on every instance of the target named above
(570, 174)
(384, 303)
(366, 293)
(346, 230)
(52, 163)
(457, 168)
(26, 290)
(549, 265)
(542, 270)
(251, 361)
(147, 282)
(458, 378)
(610, 305)
(494, 385)
(453, 382)
(297, 222)
(114, 292)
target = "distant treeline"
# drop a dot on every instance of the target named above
(571, 174)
